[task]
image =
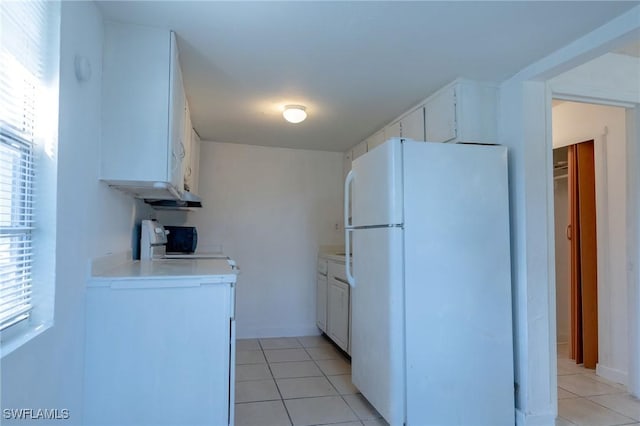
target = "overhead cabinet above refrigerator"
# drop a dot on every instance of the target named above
(146, 130)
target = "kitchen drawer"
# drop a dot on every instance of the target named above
(322, 266)
(337, 270)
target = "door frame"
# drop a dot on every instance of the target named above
(525, 127)
(632, 144)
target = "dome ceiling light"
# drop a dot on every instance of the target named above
(294, 113)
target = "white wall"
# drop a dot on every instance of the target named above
(270, 209)
(578, 122)
(563, 288)
(610, 76)
(525, 127)
(93, 220)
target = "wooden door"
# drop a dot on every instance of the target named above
(582, 233)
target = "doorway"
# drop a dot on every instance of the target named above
(589, 155)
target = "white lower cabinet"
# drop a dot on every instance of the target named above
(338, 313)
(159, 351)
(338, 295)
(321, 302)
(333, 302)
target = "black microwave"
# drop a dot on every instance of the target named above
(181, 239)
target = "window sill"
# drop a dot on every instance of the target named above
(16, 336)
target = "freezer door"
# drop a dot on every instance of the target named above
(377, 338)
(377, 186)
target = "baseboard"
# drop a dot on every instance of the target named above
(613, 374)
(523, 419)
(252, 332)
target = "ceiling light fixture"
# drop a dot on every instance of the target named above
(294, 113)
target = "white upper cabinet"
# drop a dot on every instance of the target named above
(412, 125)
(143, 112)
(194, 170)
(179, 123)
(376, 139)
(359, 150)
(187, 169)
(464, 111)
(393, 130)
(440, 113)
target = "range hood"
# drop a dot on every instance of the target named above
(160, 195)
(187, 201)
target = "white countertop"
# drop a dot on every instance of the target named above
(332, 256)
(212, 270)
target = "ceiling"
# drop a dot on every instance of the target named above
(631, 49)
(356, 65)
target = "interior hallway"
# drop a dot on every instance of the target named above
(585, 399)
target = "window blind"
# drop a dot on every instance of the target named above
(22, 43)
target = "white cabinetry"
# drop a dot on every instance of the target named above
(321, 295)
(440, 116)
(359, 150)
(338, 305)
(393, 130)
(143, 103)
(338, 313)
(159, 351)
(321, 302)
(412, 125)
(193, 173)
(464, 111)
(376, 139)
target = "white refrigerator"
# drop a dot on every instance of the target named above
(428, 227)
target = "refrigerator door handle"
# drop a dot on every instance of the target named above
(347, 197)
(347, 230)
(347, 257)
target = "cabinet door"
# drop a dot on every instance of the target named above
(176, 124)
(135, 103)
(393, 130)
(153, 358)
(376, 139)
(440, 116)
(413, 125)
(321, 302)
(359, 150)
(195, 162)
(338, 312)
(187, 172)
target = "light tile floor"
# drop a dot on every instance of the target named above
(297, 381)
(307, 381)
(585, 399)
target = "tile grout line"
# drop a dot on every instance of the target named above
(611, 409)
(323, 374)
(326, 376)
(586, 398)
(286, 410)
